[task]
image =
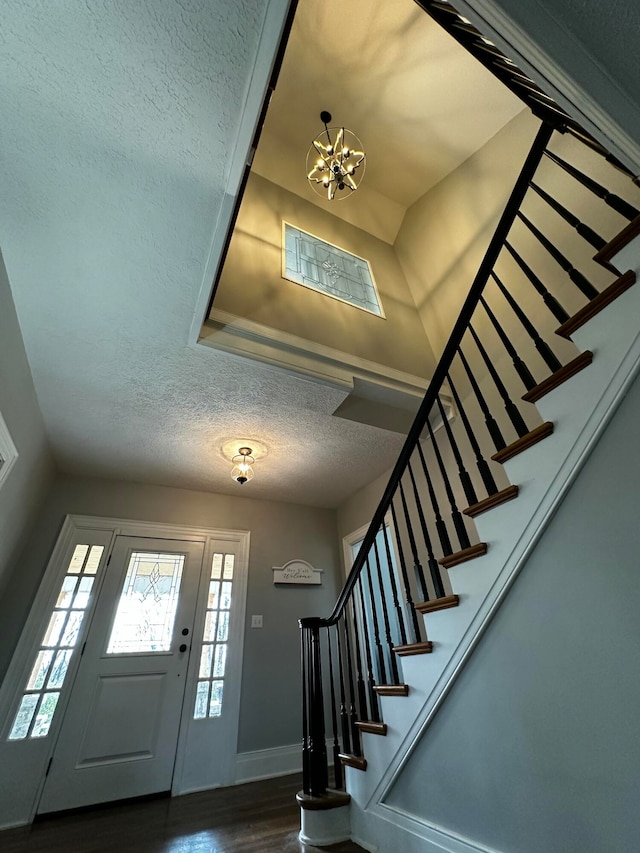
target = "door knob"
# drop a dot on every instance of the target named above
(183, 647)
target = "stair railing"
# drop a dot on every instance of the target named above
(418, 530)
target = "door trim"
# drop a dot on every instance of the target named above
(23, 807)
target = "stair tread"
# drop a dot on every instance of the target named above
(414, 649)
(524, 443)
(618, 242)
(372, 727)
(596, 305)
(556, 379)
(391, 689)
(437, 604)
(492, 501)
(331, 800)
(464, 555)
(356, 761)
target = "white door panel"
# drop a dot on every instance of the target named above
(115, 731)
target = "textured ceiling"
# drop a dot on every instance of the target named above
(420, 104)
(118, 122)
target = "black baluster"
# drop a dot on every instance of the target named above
(548, 298)
(382, 671)
(583, 230)
(521, 368)
(385, 618)
(441, 529)
(394, 588)
(481, 463)
(463, 474)
(511, 409)
(412, 542)
(353, 716)
(611, 199)
(373, 696)
(344, 714)
(456, 515)
(581, 282)
(362, 693)
(405, 577)
(490, 422)
(594, 145)
(338, 778)
(550, 359)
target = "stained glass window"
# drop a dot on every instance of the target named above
(213, 657)
(147, 607)
(38, 704)
(310, 261)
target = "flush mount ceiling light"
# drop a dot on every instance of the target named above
(335, 162)
(242, 470)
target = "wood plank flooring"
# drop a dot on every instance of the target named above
(260, 817)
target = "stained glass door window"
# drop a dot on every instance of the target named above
(147, 607)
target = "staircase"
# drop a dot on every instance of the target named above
(509, 418)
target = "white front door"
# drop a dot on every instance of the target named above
(120, 730)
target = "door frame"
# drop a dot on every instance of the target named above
(23, 807)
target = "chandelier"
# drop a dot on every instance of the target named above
(335, 162)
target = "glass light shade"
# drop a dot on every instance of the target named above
(335, 163)
(242, 470)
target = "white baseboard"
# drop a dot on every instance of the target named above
(273, 762)
(268, 763)
(394, 830)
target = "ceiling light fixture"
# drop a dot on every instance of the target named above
(335, 162)
(242, 470)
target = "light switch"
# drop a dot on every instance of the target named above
(256, 621)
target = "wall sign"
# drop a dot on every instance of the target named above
(297, 571)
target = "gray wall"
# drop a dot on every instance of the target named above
(536, 747)
(252, 286)
(595, 43)
(23, 491)
(270, 709)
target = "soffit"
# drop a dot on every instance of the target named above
(420, 104)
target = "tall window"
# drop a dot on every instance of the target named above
(310, 261)
(41, 693)
(213, 658)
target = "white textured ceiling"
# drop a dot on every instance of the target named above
(420, 104)
(118, 119)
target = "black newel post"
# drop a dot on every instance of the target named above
(316, 764)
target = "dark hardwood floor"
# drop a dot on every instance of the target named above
(260, 817)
